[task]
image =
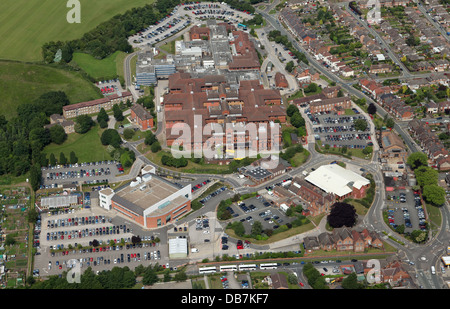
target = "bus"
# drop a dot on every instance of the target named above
(268, 266)
(207, 270)
(228, 268)
(245, 267)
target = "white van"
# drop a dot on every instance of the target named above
(194, 250)
(433, 270)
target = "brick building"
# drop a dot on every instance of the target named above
(141, 116)
(94, 106)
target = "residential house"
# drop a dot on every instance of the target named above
(380, 68)
(343, 239)
(394, 273)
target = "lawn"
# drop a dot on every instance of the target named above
(27, 25)
(192, 167)
(103, 69)
(36, 79)
(87, 147)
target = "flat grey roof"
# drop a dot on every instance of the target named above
(139, 198)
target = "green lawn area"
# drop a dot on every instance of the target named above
(349, 112)
(190, 168)
(99, 69)
(170, 46)
(27, 25)
(87, 147)
(23, 82)
(297, 95)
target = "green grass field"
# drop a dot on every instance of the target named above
(107, 68)
(87, 147)
(26, 25)
(22, 83)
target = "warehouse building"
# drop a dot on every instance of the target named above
(339, 181)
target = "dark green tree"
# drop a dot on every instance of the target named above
(57, 134)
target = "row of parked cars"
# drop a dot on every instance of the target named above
(343, 119)
(200, 185)
(78, 174)
(75, 221)
(81, 233)
(420, 211)
(213, 194)
(335, 129)
(91, 261)
(347, 137)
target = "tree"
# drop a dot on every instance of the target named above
(111, 137)
(342, 214)
(83, 124)
(73, 158)
(102, 123)
(256, 229)
(372, 109)
(297, 120)
(57, 134)
(150, 138)
(434, 194)
(390, 123)
(52, 160)
(311, 88)
(155, 147)
(351, 282)
(290, 66)
(117, 112)
(180, 276)
(62, 158)
(9, 241)
(291, 110)
(125, 159)
(150, 276)
(360, 124)
(426, 176)
(417, 159)
(102, 115)
(35, 176)
(418, 236)
(128, 133)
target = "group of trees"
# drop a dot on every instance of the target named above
(63, 159)
(315, 279)
(111, 35)
(116, 278)
(102, 118)
(427, 178)
(169, 160)
(83, 124)
(23, 137)
(152, 141)
(295, 118)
